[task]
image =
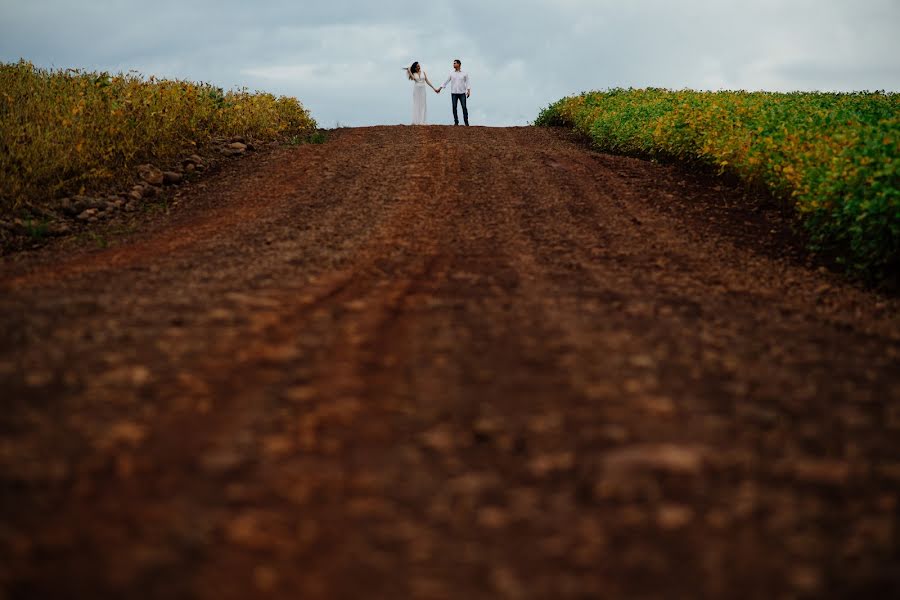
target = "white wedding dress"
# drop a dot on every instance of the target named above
(419, 104)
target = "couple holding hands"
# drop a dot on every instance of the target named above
(459, 88)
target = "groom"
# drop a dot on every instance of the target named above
(459, 88)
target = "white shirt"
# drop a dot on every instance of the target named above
(459, 82)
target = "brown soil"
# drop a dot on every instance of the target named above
(447, 363)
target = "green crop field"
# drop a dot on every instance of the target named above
(65, 131)
(833, 156)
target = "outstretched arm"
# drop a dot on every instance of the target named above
(427, 81)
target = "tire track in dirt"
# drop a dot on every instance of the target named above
(437, 362)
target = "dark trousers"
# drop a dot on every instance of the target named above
(460, 98)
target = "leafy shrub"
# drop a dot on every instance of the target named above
(66, 130)
(833, 156)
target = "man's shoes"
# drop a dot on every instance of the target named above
(455, 124)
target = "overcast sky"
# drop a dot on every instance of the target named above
(343, 58)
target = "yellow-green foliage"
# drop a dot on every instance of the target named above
(835, 156)
(65, 131)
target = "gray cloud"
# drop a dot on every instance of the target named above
(342, 58)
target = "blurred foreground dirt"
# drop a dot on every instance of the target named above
(447, 363)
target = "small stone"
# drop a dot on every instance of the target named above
(642, 360)
(221, 461)
(246, 530)
(265, 578)
(545, 464)
(81, 203)
(59, 229)
(440, 438)
(189, 168)
(134, 196)
(150, 174)
(822, 472)
(493, 517)
(195, 159)
(68, 207)
(806, 579)
(674, 516)
(172, 177)
(126, 432)
(88, 214)
(38, 378)
(300, 393)
(671, 458)
(231, 152)
(237, 146)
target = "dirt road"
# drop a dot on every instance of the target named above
(447, 363)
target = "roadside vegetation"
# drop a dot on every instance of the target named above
(70, 132)
(832, 156)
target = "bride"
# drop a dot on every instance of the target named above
(419, 79)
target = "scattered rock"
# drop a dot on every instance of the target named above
(87, 214)
(67, 207)
(231, 152)
(82, 203)
(172, 177)
(150, 174)
(128, 433)
(669, 458)
(440, 438)
(134, 196)
(642, 360)
(237, 146)
(674, 516)
(823, 472)
(265, 578)
(493, 517)
(806, 579)
(222, 461)
(545, 464)
(59, 228)
(189, 168)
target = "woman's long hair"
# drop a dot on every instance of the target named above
(413, 69)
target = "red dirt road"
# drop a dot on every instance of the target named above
(447, 363)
